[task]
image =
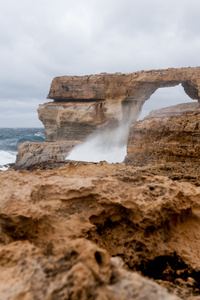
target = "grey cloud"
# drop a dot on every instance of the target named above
(43, 39)
(14, 113)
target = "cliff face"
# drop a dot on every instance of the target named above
(66, 121)
(83, 104)
(76, 120)
(165, 139)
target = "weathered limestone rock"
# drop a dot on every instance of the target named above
(33, 153)
(165, 139)
(76, 120)
(151, 222)
(83, 104)
(81, 271)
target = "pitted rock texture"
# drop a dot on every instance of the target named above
(165, 139)
(151, 222)
(30, 154)
(81, 271)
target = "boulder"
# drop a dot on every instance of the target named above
(30, 154)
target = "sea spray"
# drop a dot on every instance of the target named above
(102, 146)
(108, 144)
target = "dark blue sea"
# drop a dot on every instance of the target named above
(10, 138)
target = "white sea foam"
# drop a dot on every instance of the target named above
(39, 134)
(109, 145)
(6, 158)
(91, 152)
(4, 168)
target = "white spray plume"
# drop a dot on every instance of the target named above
(108, 144)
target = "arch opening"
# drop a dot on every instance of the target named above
(165, 97)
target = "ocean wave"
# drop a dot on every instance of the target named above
(7, 157)
(40, 134)
(10, 138)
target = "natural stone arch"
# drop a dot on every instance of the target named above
(83, 104)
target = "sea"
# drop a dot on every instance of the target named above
(10, 138)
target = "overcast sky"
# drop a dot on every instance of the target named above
(41, 39)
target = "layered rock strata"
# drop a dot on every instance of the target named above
(83, 104)
(165, 139)
(77, 120)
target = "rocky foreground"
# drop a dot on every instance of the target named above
(98, 231)
(78, 230)
(75, 230)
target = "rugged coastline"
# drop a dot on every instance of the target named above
(78, 230)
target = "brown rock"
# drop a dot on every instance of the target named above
(165, 139)
(76, 120)
(59, 228)
(82, 271)
(151, 222)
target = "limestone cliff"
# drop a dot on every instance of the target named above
(83, 104)
(165, 139)
(76, 120)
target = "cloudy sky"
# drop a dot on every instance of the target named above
(42, 39)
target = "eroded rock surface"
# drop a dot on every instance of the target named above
(151, 222)
(165, 139)
(80, 271)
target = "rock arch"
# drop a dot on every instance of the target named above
(83, 104)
